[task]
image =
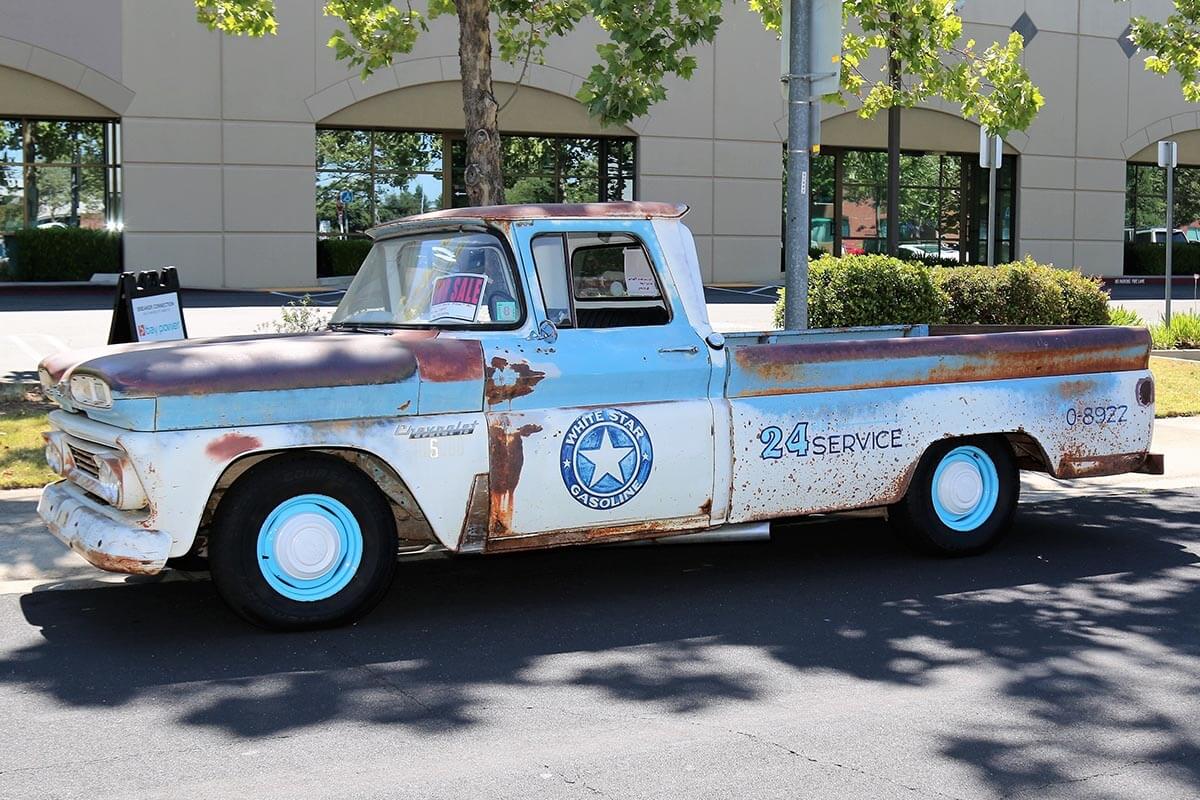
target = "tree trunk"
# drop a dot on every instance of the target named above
(893, 192)
(484, 177)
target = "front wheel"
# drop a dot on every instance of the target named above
(962, 497)
(302, 542)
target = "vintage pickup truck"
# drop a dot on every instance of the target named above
(521, 377)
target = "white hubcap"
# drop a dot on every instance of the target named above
(960, 488)
(307, 546)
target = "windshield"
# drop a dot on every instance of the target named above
(433, 279)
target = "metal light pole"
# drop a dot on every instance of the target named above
(991, 153)
(810, 56)
(1168, 158)
(797, 230)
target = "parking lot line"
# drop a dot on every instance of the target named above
(25, 348)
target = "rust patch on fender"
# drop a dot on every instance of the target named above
(507, 381)
(110, 563)
(1074, 465)
(442, 360)
(231, 445)
(507, 455)
(475, 522)
(706, 508)
(1072, 390)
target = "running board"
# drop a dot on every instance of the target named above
(744, 532)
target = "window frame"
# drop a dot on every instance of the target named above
(566, 253)
(112, 186)
(513, 265)
(968, 212)
(450, 139)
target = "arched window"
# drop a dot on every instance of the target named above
(366, 176)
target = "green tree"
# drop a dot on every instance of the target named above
(922, 55)
(651, 39)
(647, 41)
(1173, 44)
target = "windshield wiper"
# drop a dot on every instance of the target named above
(366, 327)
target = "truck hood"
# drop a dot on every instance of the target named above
(244, 380)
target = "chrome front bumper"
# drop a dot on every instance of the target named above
(107, 538)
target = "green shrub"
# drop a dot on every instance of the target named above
(1119, 315)
(1151, 259)
(868, 290)
(1021, 293)
(1086, 303)
(1185, 330)
(877, 290)
(341, 256)
(297, 316)
(1161, 337)
(61, 254)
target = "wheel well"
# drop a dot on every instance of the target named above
(1028, 451)
(412, 527)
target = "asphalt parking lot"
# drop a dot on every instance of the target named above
(1065, 664)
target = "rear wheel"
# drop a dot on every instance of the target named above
(303, 542)
(962, 497)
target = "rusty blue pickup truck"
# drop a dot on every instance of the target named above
(522, 377)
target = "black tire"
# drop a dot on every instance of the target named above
(234, 547)
(917, 517)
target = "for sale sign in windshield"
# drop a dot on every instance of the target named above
(457, 297)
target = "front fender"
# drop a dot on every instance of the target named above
(436, 457)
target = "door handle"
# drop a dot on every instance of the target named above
(689, 349)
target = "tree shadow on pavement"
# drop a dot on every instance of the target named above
(1084, 590)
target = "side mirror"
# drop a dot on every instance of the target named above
(546, 331)
(715, 340)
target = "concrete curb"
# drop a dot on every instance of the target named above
(20, 494)
(1177, 355)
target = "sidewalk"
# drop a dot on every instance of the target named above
(33, 560)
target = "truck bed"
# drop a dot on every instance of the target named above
(797, 362)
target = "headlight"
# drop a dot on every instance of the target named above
(54, 452)
(89, 390)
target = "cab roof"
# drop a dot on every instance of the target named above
(511, 213)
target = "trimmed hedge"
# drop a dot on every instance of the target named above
(878, 290)
(1151, 259)
(61, 254)
(341, 256)
(870, 290)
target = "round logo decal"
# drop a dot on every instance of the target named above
(606, 458)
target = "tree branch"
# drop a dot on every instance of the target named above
(524, 69)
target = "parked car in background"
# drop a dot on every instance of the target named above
(1159, 236)
(930, 250)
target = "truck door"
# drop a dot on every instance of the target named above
(606, 431)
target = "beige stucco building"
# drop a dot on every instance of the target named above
(215, 164)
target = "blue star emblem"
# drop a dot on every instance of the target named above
(606, 458)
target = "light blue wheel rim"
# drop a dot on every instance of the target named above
(336, 531)
(969, 464)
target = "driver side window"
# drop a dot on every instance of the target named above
(598, 280)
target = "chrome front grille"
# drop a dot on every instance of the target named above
(84, 461)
